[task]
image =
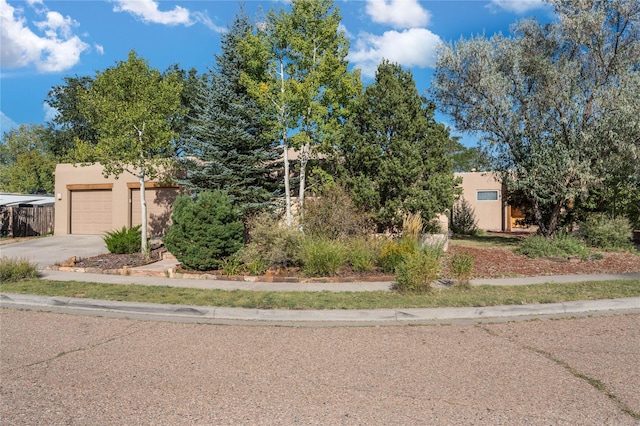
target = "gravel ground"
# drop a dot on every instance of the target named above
(62, 369)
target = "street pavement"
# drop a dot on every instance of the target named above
(81, 370)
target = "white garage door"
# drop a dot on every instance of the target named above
(91, 211)
(159, 208)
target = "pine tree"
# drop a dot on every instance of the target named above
(396, 153)
(227, 141)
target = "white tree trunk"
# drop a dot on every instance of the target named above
(287, 188)
(304, 159)
(143, 208)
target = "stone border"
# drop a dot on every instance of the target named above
(171, 273)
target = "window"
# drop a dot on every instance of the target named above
(487, 195)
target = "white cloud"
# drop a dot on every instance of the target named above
(415, 47)
(6, 123)
(518, 6)
(99, 48)
(203, 18)
(398, 13)
(148, 12)
(56, 49)
(49, 112)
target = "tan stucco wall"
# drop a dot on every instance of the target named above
(68, 176)
(490, 214)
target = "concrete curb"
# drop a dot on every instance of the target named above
(222, 315)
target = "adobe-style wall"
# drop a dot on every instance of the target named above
(70, 178)
(490, 213)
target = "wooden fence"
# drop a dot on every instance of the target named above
(18, 221)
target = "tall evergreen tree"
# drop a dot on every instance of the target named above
(228, 142)
(396, 153)
(306, 85)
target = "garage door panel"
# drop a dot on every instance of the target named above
(159, 208)
(91, 212)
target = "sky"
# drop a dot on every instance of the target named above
(43, 41)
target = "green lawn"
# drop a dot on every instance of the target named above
(451, 297)
(486, 241)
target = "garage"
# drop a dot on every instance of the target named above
(159, 207)
(91, 211)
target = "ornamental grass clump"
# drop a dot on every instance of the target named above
(12, 269)
(322, 257)
(418, 270)
(461, 268)
(363, 253)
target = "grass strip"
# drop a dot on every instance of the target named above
(451, 297)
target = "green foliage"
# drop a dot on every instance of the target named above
(204, 231)
(70, 124)
(560, 246)
(395, 153)
(228, 141)
(131, 108)
(322, 257)
(417, 271)
(602, 232)
(307, 84)
(26, 163)
(275, 244)
(394, 252)
(123, 240)
(461, 267)
(463, 218)
(12, 269)
(555, 104)
(363, 253)
(231, 265)
(333, 215)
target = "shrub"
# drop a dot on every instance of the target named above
(363, 253)
(12, 269)
(602, 232)
(417, 271)
(333, 215)
(124, 240)
(394, 252)
(204, 231)
(275, 244)
(322, 257)
(560, 246)
(461, 268)
(463, 218)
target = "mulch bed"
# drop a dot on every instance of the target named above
(489, 263)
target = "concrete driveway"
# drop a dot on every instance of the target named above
(47, 251)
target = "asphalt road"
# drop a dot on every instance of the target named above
(64, 369)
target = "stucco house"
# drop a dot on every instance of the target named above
(485, 193)
(88, 203)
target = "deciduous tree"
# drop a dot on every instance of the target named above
(551, 102)
(131, 107)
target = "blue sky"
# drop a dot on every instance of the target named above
(43, 41)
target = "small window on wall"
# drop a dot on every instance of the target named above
(487, 195)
